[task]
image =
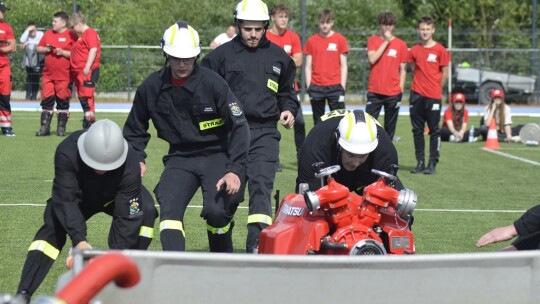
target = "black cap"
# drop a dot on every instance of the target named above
(3, 7)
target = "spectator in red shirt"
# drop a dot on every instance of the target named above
(290, 42)
(326, 67)
(56, 44)
(85, 57)
(455, 120)
(387, 56)
(7, 45)
(429, 63)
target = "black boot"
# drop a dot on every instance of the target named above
(420, 167)
(44, 130)
(220, 242)
(430, 168)
(62, 122)
(89, 119)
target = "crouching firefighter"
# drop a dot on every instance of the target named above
(193, 109)
(94, 171)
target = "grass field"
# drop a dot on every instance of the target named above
(472, 192)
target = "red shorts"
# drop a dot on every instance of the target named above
(58, 88)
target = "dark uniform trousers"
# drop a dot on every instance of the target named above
(261, 172)
(179, 181)
(318, 95)
(422, 110)
(391, 109)
(299, 130)
(51, 237)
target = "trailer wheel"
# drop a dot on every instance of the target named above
(484, 96)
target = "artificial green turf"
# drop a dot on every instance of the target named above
(467, 178)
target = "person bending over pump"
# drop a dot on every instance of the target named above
(94, 171)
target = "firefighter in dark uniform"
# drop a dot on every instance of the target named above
(95, 171)
(192, 109)
(356, 142)
(526, 228)
(261, 75)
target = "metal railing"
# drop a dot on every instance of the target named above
(123, 68)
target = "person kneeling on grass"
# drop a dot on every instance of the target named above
(526, 228)
(95, 171)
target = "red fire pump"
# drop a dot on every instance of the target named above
(335, 221)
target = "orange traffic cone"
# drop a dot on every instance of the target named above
(492, 141)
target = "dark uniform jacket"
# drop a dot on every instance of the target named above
(78, 191)
(202, 117)
(262, 78)
(528, 229)
(321, 145)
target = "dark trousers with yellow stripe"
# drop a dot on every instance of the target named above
(178, 183)
(261, 172)
(51, 238)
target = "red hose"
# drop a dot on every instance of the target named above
(106, 268)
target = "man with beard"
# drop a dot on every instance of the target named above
(261, 75)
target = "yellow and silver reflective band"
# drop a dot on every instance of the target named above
(259, 218)
(272, 85)
(369, 124)
(174, 29)
(108, 203)
(43, 246)
(350, 124)
(209, 124)
(219, 230)
(263, 7)
(173, 225)
(374, 119)
(147, 232)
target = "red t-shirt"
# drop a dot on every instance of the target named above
(57, 67)
(325, 53)
(384, 74)
(427, 74)
(289, 41)
(448, 116)
(6, 33)
(79, 53)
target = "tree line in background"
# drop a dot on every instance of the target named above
(142, 22)
(476, 24)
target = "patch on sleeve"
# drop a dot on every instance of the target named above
(235, 109)
(134, 206)
(335, 113)
(272, 85)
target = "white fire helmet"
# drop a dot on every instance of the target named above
(181, 41)
(253, 10)
(358, 132)
(103, 146)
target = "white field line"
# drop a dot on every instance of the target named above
(528, 161)
(246, 207)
